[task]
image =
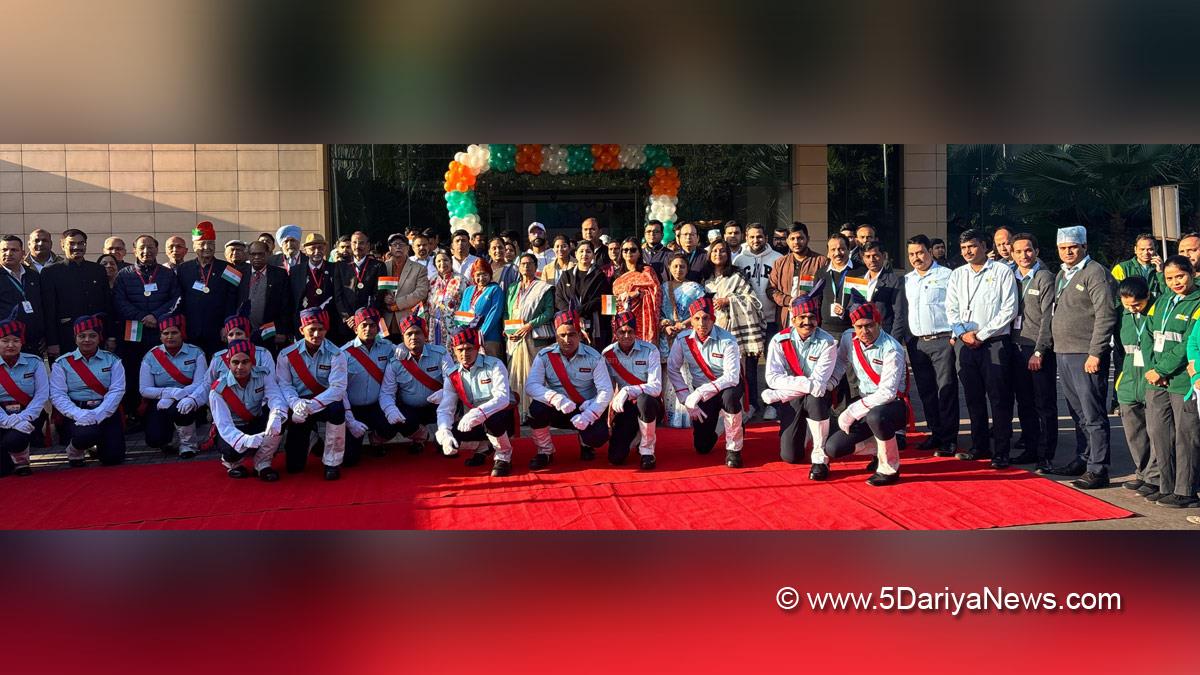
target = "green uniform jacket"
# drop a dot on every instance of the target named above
(1131, 381)
(1193, 355)
(1170, 326)
(1132, 268)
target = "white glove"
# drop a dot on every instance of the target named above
(87, 418)
(770, 396)
(434, 398)
(845, 420)
(619, 399)
(23, 425)
(707, 391)
(693, 399)
(696, 413)
(358, 429)
(186, 405)
(300, 411)
(275, 422)
(564, 405)
(8, 421)
(473, 418)
(580, 421)
(395, 417)
(447, 440)
(402, 352)
(804, 386)
(164, 403)
(251, 442)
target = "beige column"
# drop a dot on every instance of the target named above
(923, 209)
(810, 192)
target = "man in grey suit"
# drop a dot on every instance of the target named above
(1083, 320)
(412, 285)
(1033, 365)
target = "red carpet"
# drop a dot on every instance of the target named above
(687, 492)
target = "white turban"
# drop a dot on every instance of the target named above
(1076, 234)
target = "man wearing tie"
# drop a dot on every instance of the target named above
(981, 304)
(266, 289)
(356, 282)
(311, 281)
(209, 294)
(290, 255)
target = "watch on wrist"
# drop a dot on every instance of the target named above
(1038, 354)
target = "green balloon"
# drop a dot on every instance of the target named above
(668, 232)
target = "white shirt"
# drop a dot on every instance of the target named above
(535, 383)
(730, 355)
(926, 296)
(984, 301)
(464, 267)
(819, 351)
(495, 371)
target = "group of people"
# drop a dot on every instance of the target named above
(460, 345)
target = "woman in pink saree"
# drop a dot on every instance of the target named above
(637, 290)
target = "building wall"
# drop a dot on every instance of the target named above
(924, 186)
(161, 189)
(810, 192)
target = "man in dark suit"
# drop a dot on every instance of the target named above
(883, 286)
(209, 295)
(267, 290)
(310, 283)
(144, 292)
(23, 285)
(71, 289)
(356, 284)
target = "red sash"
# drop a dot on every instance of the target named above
(419, 375)
(865, 363)
(624, 374)
(560, 369)
(456, 380)
(235, 404)
(365, 361)
(89, 378)
(793, 359)
(302, 372)
(13, 390)
(699, 358)
(174, 372)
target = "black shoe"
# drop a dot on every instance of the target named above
(416, 447)
(1152, 496)
(1044, 466)
(1133, 484)
(901, 441)
(23, 470)
(881, 479)
(872, 465)
(187, 454)
(540, 461)
(704, 451)
(1091, 481)
(1178, 502)
(476, 459)
(501, 468)
(928, 444)
(76, 462)
(587, 453)
(973, 455)
(1001, 463)
(947, 450)
(819, 472)
(238, 471)
(733, 459)
(616, 460)
(332, 473)
(268, 475)
(318, 448)
(1027, 457)
(1075, 468)
(1147, 489)
(648, 462)
(1020, 445)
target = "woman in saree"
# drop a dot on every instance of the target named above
(637, 290)
(677, 294)
(482, 307)
(530, 301)
(562, 260)
(739, 310)
(445, 291)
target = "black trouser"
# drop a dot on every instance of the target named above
(704, 432)
(1036, 395)
(625, 425)
(984, 373)
(296, 444)
(937, 384)
(542, 416)
(160, 424)
(1174, 433)
(882, 422)
(131, 354)
(254, 426)
(1133, 422)
(414, 418)
(1086, 394)
(750, 367)
(372, 416)
(793, 424)
(497, 424)
(13, 441)
(108, 437)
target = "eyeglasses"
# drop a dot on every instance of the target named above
(629, 250)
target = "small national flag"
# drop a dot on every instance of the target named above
(383, 329)
(464, 318)
(806, 282)
(856, 284)
(512, 326)
(232, 275)
(133, 331)
(389, 283)
(608, 305)
(267, 331)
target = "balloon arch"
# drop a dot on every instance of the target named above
(557, 160)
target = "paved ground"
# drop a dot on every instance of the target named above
(1149, 516)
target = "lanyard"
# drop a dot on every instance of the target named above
(1138, 330)
(1166, 316)
(841, 285)
(971, 293)
(359, 271)
(203, 277)
(316, 280)
(18, 283)
(153, 274)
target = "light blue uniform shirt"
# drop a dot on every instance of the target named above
(817, 356)
(642, 361)
(327, 366)
(985, 301)
(926, 296)
(485, 383)
(72, 397)
(585, 370)
(361, 388)
(29, 374)
(720, 352)
(398, 383)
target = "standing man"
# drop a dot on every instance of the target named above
(73, 288)
(1034, 369)
(290, 255)
(841, 277)
(699, 268)
(235, 252)
(115, 246)
(654, 253)
(41, 251)
(862, 234)
(311, 282)
(981, 305)
(356, 282)
(537, 246)
(592, 232)
(755, 262)
(793, 275)
(714, 364)
(367, 356)
(312, 380)
(461, 259)
(265, 287)
(779, 240)
(412, 285)
(1002, 243)
(800, 365)
(412, 383)
(209, 291)
(732, 233)
(938, 248)
(921, 325)
(1083, 319)
(176, 252)
(570, 388)
(422, 254)
(636, 375)
(883, 286)
(22, 291)
(143, 295)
